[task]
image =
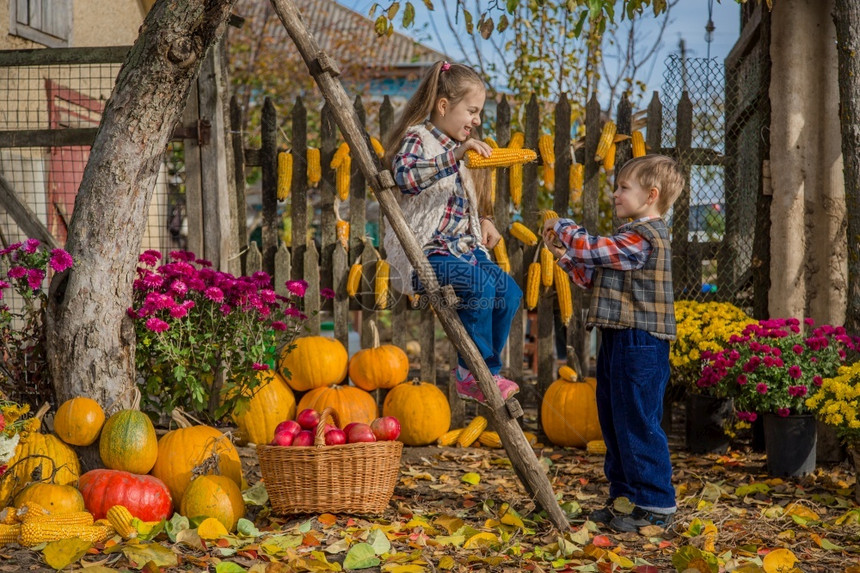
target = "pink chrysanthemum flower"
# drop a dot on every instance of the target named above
(156, 324)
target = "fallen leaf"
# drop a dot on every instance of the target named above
(361, 556)
(211, 528)
(484, 539)
(378, 541)
(601, 541)
(471, 478)
(779, 561)
(825, 544)
(229, 567)
(60, 554)
(327, 519)
(144, 553)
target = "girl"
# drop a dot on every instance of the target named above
(440, 201)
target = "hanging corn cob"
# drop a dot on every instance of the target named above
(285, 174)
(380, 284)
(607, 137)
(518, 139)
(500, 252)
(342, 178)
(547, 262)
(577, 177)
(562, 289)
(546, 215)
(516, 184)
(377, 147)
(609, 160)
(547, 153)
(471, 432)
(339, 155)
(533, 285)
(638, 144)
(492, 186)
(523, 234)
(314, 166)
(341, 227)
(491, 142)
(353, 280)
(501, 157)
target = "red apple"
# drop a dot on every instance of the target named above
(290, 426)
(305, 438)
(335, 437)
(282, 439)
(308, 419)
(360, 433)
(348, 427)
(386, 428)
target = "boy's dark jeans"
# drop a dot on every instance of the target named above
(632, 372)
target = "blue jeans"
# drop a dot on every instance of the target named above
(489, 298)
(632, 372)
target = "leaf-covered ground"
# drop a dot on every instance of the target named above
(732, 517)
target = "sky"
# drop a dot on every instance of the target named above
(687, 21)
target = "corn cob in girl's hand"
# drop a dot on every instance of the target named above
(501, 157)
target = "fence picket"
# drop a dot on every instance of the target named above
(681, 210)
(299, 188)
(269, 183)
(327, 143)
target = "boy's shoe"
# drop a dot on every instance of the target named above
(603, 515)
(507, 388)
(641, 518)
(468, 389)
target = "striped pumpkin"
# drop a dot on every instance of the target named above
(128, 440)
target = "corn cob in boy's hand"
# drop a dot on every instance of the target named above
(501, 157)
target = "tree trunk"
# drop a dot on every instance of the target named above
(90, 337)
(846, 16)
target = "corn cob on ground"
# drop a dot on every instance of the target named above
(35, 532)
(490, 439)
(449, 438)
(471, 432)
(10, 533)
(120, 519)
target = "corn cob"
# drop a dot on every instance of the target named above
(490, 439)
(501, 157)
(515, 175)
(596, 447)
(34, 532)
(547, 262)
(9, 533)
(562, 290)
(532, 439)
(568, 373)
(523, 234)
(342, 232)
(340, 155)
(638, 144)
(577, 177)
(609, 160)
(9, 516)
(607, 137)
(381, 284)
(518, 139)
(377, 147)
(449, 437)
(491, 142)
(500, 252)
(342, 178)
(493, 186)
(549, 177)
(547, 150)
(30, 509)
(285, 174)
(533, 285)
(74, 518)
(546, 215)
(314, 166)
(471, 432)
(120, 519)
(353, 281)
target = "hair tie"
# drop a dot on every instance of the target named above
(446, 66)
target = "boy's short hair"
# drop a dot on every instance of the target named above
(656, 171)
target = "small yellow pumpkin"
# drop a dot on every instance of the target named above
(54, 497)
(569, 410)
(78, 421)
(272, 403)
(351, 404)
(380, 366)
(313, 362)
(421, 408)
(214, 496)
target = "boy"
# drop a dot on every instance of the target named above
(632, 303)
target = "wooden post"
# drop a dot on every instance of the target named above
(328, 143)
(239, 176)
(299, 188)
(681, 265)
(504, 414)
(269, 183)
(357, 194)
(561, 146)
(193, 194)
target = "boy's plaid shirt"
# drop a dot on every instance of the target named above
(413, 173)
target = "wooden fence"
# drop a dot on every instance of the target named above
(326, 265)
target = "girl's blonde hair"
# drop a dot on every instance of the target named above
(452, 84)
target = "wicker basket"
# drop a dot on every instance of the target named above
(350, 478)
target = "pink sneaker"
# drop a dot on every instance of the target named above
(468, 389)
(507, 387)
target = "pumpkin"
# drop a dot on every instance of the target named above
(380, 366)
(214, 496)
(421, 408)
(351, 404)
(128, 440)
(183, 449)
(313, 362)
(145, 496)
(44, 456)
(53, 497)
(272, 403)
(569, 410)
(78, 421)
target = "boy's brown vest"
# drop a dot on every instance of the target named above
(641, 298)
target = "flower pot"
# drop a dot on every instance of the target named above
(855, 454)
(706, 418)
(790, 444)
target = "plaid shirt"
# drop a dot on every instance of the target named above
(413, 173)
(624, 251)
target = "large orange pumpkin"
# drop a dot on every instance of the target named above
(315, 361)
(421, 408)
(351, 404)
(380, 366)
(214, 496)
(569, 410)
(272, 403)
(78, 421)
(128, 441)
(183, 449)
